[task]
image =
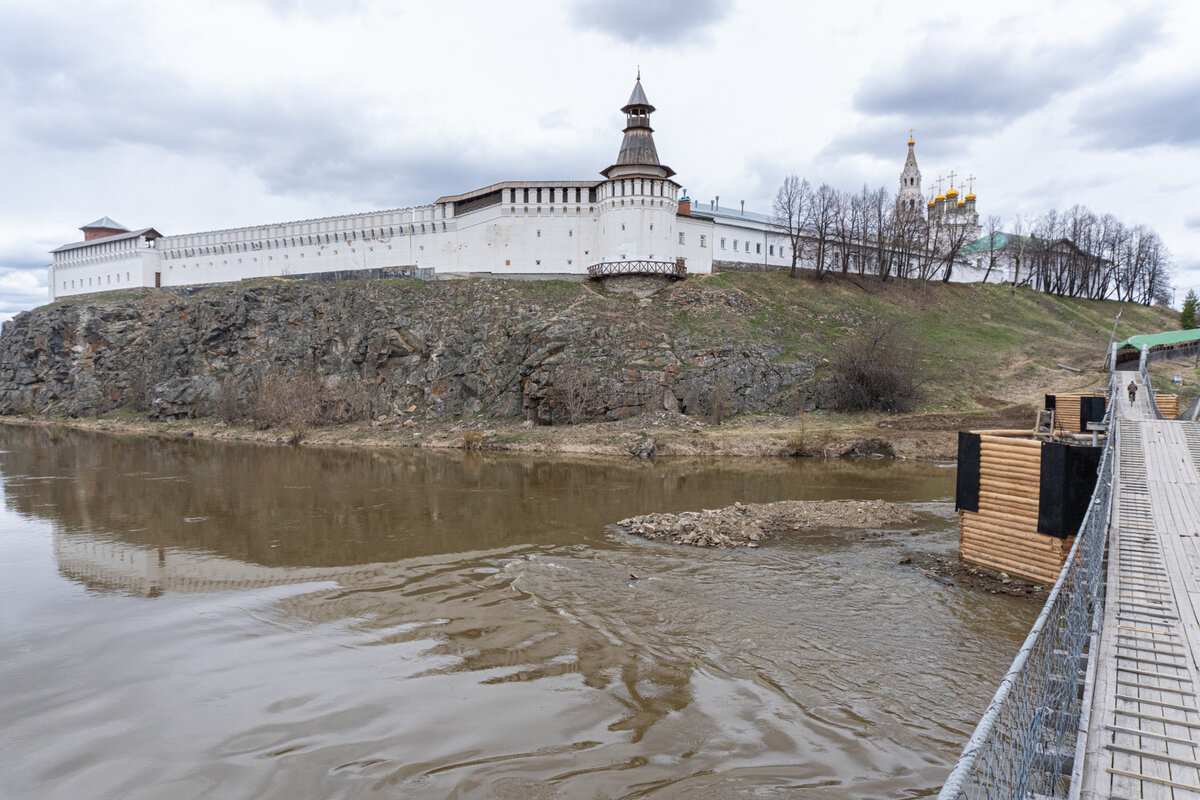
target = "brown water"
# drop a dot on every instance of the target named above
(188, 619)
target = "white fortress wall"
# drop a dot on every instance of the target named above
(100, 266)
(532, 228)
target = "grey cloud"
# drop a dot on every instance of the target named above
(937, 137)
(294, 148)
(657, 22)
(1016, 73)
(1142, 116)
(1193, 222)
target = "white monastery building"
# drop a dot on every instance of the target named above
(633, 220)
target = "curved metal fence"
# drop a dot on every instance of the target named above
(672, 269)
(1026, 741)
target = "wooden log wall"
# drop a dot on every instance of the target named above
(1003, 533)
(1067, 416)
(1168, 404)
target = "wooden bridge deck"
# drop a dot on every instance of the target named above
(1144, 727)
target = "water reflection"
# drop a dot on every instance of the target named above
(448, 625)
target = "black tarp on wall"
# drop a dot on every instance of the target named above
(1091, 409)
(1068, 477)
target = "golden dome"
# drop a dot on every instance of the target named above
(962, 203)
(932, 203)
(951, 193)
(939, 198)
(971, 196)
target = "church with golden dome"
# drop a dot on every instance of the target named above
(949, 216)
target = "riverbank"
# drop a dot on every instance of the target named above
(931, 437)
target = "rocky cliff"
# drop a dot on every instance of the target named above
(544, 350)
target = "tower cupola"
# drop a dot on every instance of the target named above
(638, 155)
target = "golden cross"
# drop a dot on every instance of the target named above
(910, 133)
(932, 186)
(940, 179)
(951, 176)
(971, 182)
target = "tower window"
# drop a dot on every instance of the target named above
(681, 237)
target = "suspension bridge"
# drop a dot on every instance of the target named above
(1103, 698)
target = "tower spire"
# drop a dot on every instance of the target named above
(638, 152)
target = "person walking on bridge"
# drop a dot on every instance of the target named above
(1132, 392)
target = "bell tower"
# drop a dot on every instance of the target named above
(910, 200)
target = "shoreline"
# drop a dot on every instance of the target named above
(661, 434)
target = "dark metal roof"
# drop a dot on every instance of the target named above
(637, 98)
(458, 198)
(119, 237)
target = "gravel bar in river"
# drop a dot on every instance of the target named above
(745, 525)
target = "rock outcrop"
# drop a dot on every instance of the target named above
(549, 351)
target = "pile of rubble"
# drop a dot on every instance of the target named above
(745, 525)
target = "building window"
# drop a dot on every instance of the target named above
(570, 233)
(735, 245)
(526, 195)
(703, 238)
(771, 250)
(539, 233)
(681, 237)
(722, 242)
(758, 248)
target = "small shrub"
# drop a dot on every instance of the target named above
(720, 399)
(577, 392)
(873, 370)
(472, 439)
(292, 402)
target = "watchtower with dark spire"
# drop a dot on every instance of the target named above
(638, 201)
(638, 155)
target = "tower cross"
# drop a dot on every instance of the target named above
(971, 184)
(910, 133)
(940, 179)
(951, 176)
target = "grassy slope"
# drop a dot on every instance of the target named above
(976, 341)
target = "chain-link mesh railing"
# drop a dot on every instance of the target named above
(1025, 742)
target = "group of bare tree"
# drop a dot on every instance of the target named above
(1074, 254)
(1078, 253)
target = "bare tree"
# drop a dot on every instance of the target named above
(789, 213)
(991, 230)
(823, 208)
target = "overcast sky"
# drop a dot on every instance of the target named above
(203, 115)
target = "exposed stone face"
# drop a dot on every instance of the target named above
(446, 348)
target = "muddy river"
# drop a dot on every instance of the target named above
(186, 619)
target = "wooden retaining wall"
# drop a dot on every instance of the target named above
(1067, 411)
(1003, 533)
(1168, 404)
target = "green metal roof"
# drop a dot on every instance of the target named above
(996, 241)
(1159, 339)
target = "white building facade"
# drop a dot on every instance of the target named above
(633, 217)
